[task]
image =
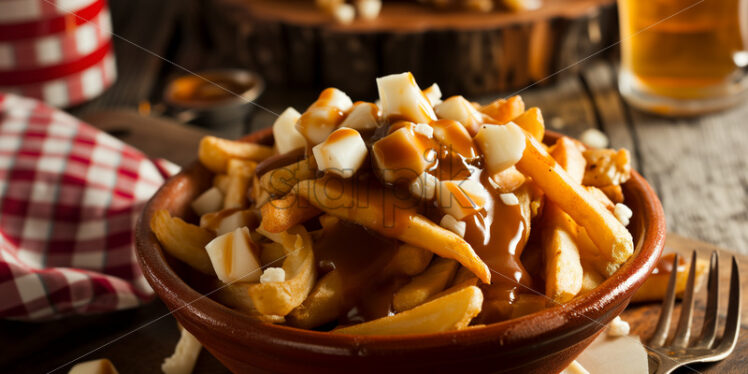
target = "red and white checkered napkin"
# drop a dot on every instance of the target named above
(59, 51)
(69, 198)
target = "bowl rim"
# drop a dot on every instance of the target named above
(547, 326)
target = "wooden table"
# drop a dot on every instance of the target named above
(699, 168)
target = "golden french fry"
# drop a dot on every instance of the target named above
(655, 287)
(447, 313)
(280, 298)
(532, 121)
(100, 366)
(324, 304)
(570, 157)
(221, 181)
(261, 198)
(614, 193)
(182, 240)
(591, 278)
(400, 221)
(609, 235)
(291, 210)
(408, 260)
(508, 180)
(462, 274)
(281, 180)
(433, 280)
(563, 269)
(182, 361)
(236, 296)
(215, 153)
(591, 254)
(504, 110)
(272, 253)
(471, 280)
(607, 167)
(240, 174)
(226, 220)
(601, 197)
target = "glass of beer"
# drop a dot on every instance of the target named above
(683, 57)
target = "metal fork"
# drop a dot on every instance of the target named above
(706, 348)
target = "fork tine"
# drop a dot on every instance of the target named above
(732, 325)
(683, 331)
(709, 328)
(666, 313)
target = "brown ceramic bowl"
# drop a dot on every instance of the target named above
(543, 342)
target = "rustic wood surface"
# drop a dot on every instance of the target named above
(294, 44)
(698, 167)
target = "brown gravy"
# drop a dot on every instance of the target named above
(497, 234)
(359, 255)
(191, 90)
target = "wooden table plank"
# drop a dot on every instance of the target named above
(699, 168)
(600, 80)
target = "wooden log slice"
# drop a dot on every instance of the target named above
(293, 44)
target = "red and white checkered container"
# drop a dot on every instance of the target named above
(59, 51)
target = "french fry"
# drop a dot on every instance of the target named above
(280, 298)
(100, 366)
(591, 254)
(471, 280)
(240, 174)
(607, 167)
(340, 199)
(182, 240)
(215, 153)
(563, 270)
(601, 197)
(236, 296)
(228, 220)
(261, 198)
(183, 360)
(433, 280)
(333, 294)
(504, 110)
(591, 278)
(655, 287)
(532, 122)
(462, 274)
(570, 157)
(279, 215)
(271, 253)
(281, 180)
(609, 235)
(408, 260)
(221, 181)
(324, 304)
(447, 313)
(614, 193)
